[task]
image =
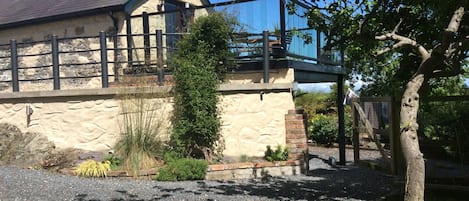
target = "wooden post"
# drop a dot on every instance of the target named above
(356, 134)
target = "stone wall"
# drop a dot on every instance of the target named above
(89, 119)
(249, 124)
(83, 26)
(73, 65)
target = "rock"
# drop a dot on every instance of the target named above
(22, 149)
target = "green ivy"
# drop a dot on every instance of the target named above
(199, 67)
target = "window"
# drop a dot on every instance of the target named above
(176, 19)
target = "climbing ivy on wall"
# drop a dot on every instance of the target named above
(199, 67)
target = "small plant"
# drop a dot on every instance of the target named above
(183, 169)
(244, 158)
(279, 154)
(114, 162)
(91, 168)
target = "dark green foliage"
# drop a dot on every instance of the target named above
(323, 129)
(445, 130)
(279, 154)
(183, 169)
(213, 34)
(322, 116)
(199, 67)
(113, 160)
(312, 103)
(171, 156)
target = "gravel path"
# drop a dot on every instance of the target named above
(322, 183)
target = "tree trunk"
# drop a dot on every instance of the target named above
(415, 173)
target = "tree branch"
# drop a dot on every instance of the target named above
(401, 41)
(450, 31)
(450, 50)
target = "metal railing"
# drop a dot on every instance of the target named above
(55, 63)
(250, 47)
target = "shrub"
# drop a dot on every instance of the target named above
(213, 32)
(171, 156)
(183, 169)
(280, 154)
(200, 65)
(323, 129)
(91, 168)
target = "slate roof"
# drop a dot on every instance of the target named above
(18, 12)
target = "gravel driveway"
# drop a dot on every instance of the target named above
(322, 183)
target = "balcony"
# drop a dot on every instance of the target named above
(268, 38)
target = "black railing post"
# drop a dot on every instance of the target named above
(159, 54)
(14, 65)
(104, 68)
(55, 62)
(283, 37)
(146, 38)
(266, 55)
(116, 65)
(128, 26)
(318, 46)
(341, 119)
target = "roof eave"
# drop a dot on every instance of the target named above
(63, 16)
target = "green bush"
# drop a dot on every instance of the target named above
(199, 67)
(183, 169)
(279, 154)
(171, 156)
(323, 129)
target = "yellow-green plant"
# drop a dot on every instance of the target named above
(142, 116)
(91, 168)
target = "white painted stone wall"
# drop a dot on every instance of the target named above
(250, 124)
(89, 123)
(92, 122)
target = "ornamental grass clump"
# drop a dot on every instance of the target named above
(91, 168)
(141, 123)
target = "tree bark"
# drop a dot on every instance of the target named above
(415, 173)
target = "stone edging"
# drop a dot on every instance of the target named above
(224, 88)
(245, 165)
(249, 170)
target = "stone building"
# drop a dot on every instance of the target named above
(256, 102)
